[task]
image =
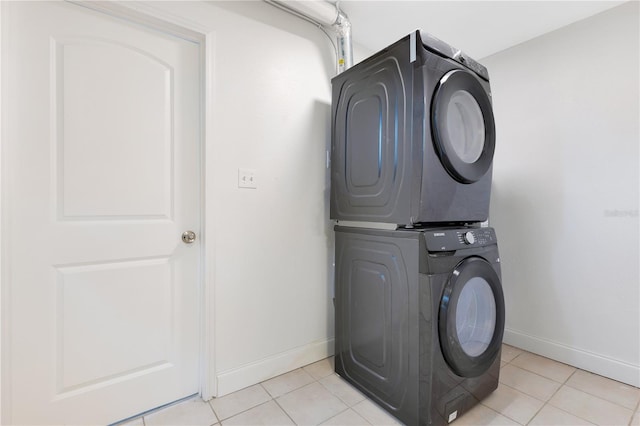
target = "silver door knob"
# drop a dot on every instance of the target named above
(188, 237)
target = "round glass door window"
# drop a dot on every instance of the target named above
(465, 125)
(471, 317)
(475, 316)
(462, 126)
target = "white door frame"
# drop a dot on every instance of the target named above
(153, 15)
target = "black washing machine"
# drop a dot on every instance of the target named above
(419, 318)
(413, 136)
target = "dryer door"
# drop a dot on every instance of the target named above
(462, 126)
(471, 317)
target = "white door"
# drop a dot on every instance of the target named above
(100, 178)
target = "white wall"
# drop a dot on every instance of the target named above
(271, 277)
(565, 195)
(273, 307)
(272, 245)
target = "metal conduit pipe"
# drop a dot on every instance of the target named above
(327, 16)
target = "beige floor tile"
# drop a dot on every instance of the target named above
(287, 382)
(343, 390)
(311, 405)
(374, 414)
(621, 394)
(636, 419)
(194, 412)
(347, 418)
(513, 404)
(530, 383)
(550, 415)
(237, 402)
(320, 369)
(545, 367)
(482, 415)
(509, 353)
(268, 413)
(590, 407)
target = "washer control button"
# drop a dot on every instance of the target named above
(469, 238)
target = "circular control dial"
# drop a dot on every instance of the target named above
(469, 238)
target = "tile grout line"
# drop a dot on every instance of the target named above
(573, 414)
(536, 374)
(545, 377)
(344, 411)
(637, 407)
(603, 399)
(562, 409)
(365, 398)
(576, 369)
(214, 411)
(554, 394)
(248, 409)
(271, 397)
(599, 397)
(350, 407)
(265, 390)
(243, 411)
(523, 393)
(512, 359)
(284, 411)
(491, 409)
(314, 380)
(339, 399)
(561, 385)
(545, 403)
(636, 411)
(632, 416)
(292, 390)
(329, 391)
(350, 387)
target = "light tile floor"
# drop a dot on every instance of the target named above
(533, 390)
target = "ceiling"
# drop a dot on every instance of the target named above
(479, 28)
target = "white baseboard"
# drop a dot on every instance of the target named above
(256, 372)
(595, 363)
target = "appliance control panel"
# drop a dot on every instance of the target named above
(457, 239)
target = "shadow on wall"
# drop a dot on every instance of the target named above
(323, 109)
(270, 15)
(528, 250)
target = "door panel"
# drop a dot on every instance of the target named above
(102, 177)
(94, 321)
(120, 167)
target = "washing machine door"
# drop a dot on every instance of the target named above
(471, 317)
(462, 126)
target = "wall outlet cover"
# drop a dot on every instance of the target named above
(247, 178)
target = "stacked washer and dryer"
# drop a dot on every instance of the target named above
(419, 302)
